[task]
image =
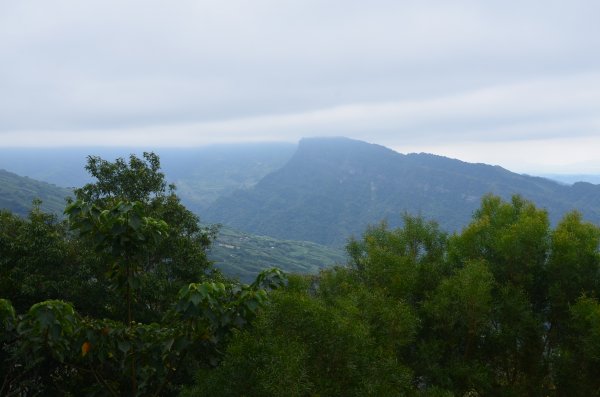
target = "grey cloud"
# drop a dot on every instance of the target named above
(391, 71)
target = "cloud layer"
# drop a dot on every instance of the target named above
(410, 75)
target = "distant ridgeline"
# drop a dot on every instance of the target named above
(322, 190)
(333, 188)
(17, 194)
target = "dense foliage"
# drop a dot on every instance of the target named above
(52, 350)
(41, 256)
(507, 307)
(119, 299)
(119, 258)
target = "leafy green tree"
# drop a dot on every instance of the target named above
(513, 238)
(136, 180)
(573, 318)
(408, 261)
(38, 261)
(459, 312)
(125, 233)
(578, 358)
(52, 350)
(573, 268)
(40, 256)
(465, 315)
(180, 255)
(305, 344)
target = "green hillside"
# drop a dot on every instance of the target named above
(333, 188)
(18, 192)
(244, 255)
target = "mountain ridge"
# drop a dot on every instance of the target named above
(18, 192)
(332, 188)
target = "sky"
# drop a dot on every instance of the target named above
(512, 83)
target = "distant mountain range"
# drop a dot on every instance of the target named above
(570, 179)
(332, 188)
(322, 190)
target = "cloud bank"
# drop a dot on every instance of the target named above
(465, 78)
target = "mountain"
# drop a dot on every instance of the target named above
(332, 188)
(18, 192)
(570, 179)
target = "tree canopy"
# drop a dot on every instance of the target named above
(119, 299)
(507, 307)
(135, 255)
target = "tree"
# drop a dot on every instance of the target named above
(41, 256)
(470, 314)
(577, 357)
(38, 261)
(459, 312)
(136, 180)
(180, 255)
(309, 343)
(148, 346)
(513, 239)
(52, 350)
(408, 261)
(125, 234)
(573, 268)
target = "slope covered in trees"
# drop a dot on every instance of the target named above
(244, 255)
(17, 194)
(333, 188)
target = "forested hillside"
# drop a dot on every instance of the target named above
(244, 255)
(322, 190)
(17, 194)
(332, 188)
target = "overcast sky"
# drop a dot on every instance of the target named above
(514, 83)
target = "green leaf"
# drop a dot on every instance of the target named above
(124, 346)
